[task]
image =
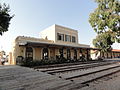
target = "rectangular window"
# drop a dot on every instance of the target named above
(60, 36)
(73, 39)
(68, 38)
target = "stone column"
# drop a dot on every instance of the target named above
(87, 54)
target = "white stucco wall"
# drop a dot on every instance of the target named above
(49, 33)
(94, 54)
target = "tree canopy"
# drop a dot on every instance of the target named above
(2, 52)
(104, 41)
(5, 18)
(106, 18)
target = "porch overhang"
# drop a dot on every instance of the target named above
(43, 44)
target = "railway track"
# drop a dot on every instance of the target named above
(75, 67)
(93, 72)
(82, 75)
(84, 79)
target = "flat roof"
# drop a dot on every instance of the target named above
(41, 44)
(66, 27)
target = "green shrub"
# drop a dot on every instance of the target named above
(31, 63)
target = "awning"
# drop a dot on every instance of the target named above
(43, 44)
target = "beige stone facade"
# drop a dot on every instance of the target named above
(10, 61)
(0, 57)
(37, 48)
(54, 42)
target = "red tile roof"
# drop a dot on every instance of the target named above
(116, 50)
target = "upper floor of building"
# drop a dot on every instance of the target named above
(60, 34)
(54, 34)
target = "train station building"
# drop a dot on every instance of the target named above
(54, 42)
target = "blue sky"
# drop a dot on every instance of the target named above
(32, 16)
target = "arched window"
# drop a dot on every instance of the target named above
(29, 53)
(61, 52)
(45, 53)
(68, 54)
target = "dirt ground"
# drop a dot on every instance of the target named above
(108, 83)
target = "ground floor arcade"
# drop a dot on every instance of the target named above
(52, 51)
(112, 54)
(39, 51)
